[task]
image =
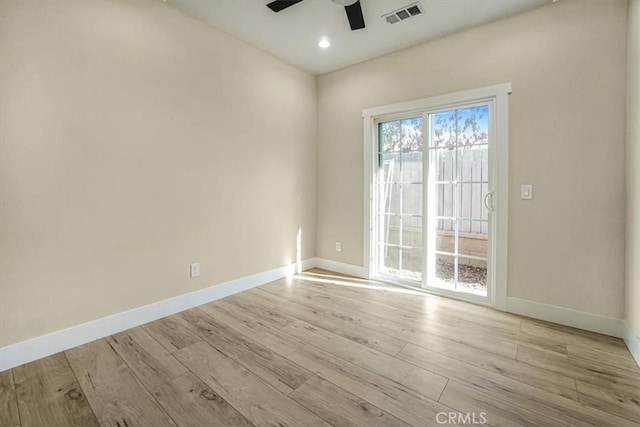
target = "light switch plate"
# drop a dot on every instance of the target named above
(526, 192)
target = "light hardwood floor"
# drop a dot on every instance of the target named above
(322, 349)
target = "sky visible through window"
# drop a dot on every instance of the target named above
(401, 135)
(464, 127)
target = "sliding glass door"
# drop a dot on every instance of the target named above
(434, 199)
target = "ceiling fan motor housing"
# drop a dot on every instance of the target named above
(344, 2)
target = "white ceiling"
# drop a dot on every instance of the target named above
(293, 33)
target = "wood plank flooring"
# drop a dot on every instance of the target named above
(322, 349)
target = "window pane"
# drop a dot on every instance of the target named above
(473, 126)
(444, 272)
(412, 199)
(390, 198)
(412, 264)
(390, 136)
(443, 129)
(412, 167)
(445, 203)
(444, 164)
(445, 240)
(473, 164)
(472, 243)
(412, 232)
(472, 276)
(471, 202)
(465, 226)
(411, 134)
(390, 225)
(390, 259)
(389, 168)
(445, 225)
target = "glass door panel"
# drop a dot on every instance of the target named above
(457, 187)
(400, 199)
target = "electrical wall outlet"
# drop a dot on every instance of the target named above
(195, 270)
(338, 246)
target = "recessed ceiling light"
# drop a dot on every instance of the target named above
(324, 43)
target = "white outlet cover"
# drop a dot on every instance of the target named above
(338, 246)
(526, 192)
(195, 270)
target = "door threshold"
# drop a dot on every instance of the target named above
(435, 292)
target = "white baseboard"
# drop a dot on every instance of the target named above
(551, 313)
(568, 317)
(633, 343)
(36, 348)
(340, 267)
(45, 345)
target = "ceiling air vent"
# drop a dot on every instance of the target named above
(403, 13)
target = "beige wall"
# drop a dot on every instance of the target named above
(633, 169)
(566, 62)
(135, 140)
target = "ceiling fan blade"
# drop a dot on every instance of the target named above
(355, 16)
(279, 5)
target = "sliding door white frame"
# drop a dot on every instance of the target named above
(498, 163)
